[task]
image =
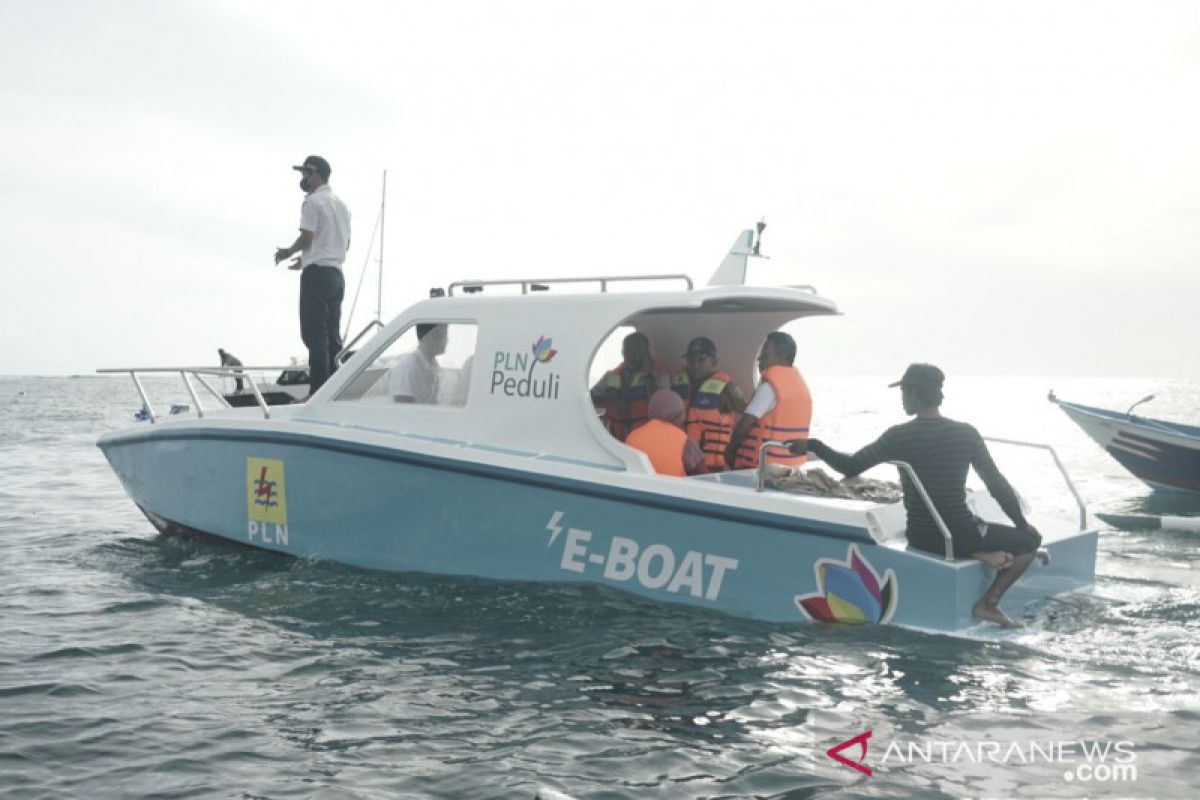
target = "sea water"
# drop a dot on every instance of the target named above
(136, 665)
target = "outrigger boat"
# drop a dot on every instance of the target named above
(511, 475)
(1163, 455)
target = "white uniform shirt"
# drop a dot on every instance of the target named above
(415, 376)
(763, 401)
(324, 215)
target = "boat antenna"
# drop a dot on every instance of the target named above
(762, 223)
(382, 230)
(378, 229)
(732, 270)
(1145, 399)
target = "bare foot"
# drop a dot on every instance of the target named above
(995, 558)
(990, 612)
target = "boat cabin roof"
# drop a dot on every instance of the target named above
(520, 402)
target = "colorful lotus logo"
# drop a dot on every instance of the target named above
(850, 591)
(542, 350)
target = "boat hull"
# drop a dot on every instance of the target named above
(397, 509)
(1165, 456)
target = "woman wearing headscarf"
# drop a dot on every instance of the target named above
(663, 440)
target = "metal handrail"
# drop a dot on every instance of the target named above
(186, 373)
(762, 461)
(603, 280)
(933, 512)
(1061, 469)
(227, 371)
(192, 391)
(341, 356)
(903, 465)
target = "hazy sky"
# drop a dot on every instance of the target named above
(1002, 187)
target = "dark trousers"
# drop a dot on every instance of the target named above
(321, 292)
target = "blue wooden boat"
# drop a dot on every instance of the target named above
(509, 474)
(1163, 455)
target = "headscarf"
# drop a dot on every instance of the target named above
(667, 405)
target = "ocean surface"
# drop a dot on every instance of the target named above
(137, 665)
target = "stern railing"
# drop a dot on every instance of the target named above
(1058, 463)
(912, 475)
(904, 466)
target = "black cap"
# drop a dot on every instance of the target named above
(921, 375)
(701, 346)
(318, 164)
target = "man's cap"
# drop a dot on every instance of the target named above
(701, 346)
(921, 375)
(318, 164)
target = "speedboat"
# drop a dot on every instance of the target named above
(510, 474)
(1163, 455)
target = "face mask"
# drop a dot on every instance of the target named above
(304, 183)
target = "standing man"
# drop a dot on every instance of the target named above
(780, 409)
(713, 401)
(323, 241)
(230, 360)
(941, 451)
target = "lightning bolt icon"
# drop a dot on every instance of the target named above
(553, 526)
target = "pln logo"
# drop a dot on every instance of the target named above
(266, 501)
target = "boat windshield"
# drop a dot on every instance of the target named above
(427, 363)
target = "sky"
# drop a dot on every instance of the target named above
(998, 188)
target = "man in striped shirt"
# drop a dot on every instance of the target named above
(941, 451)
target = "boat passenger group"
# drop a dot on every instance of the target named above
(697, 421)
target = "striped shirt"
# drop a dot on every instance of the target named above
(940, 451)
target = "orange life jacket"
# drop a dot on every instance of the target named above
(706, 424)
(621, 420)
(789, 419)
(663, 443)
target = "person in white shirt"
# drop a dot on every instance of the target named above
(323, 241)
(414, 376)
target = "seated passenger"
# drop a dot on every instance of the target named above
(661, 438)
(941, 451)
(713, 401)
(780, 409)
(414, 376)
(624, 392)
(462, 383)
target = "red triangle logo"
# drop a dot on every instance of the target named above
(835, 753)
